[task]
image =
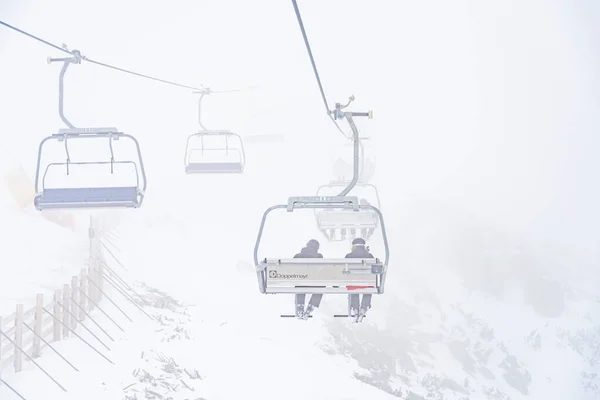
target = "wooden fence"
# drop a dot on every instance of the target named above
(25, 332)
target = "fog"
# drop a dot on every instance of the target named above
(487, 106)
(484, 111)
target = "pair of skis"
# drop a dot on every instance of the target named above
(357, 309)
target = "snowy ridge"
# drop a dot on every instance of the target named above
(441, 337)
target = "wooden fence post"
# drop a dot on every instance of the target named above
(93, 273)
(100, 282)
(74, 301)
(56, 315)
(19, 338)
(65, 310)
(39, 314)
(83, 301)
(91, 289)
(1, 339)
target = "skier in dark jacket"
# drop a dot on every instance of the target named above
(310, 251)
(359, 250)
(359, 308)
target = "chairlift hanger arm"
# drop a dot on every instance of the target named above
(202, 94)
(349, 115)
(75, 59)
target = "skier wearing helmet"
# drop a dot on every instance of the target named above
(310, 251)
(359, 249)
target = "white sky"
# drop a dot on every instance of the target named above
(491, 106)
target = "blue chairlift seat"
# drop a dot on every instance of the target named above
(109, 197)
(214, 167)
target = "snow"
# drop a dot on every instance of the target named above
(237, 331)
(39, 256)
(237, 342)
(452, 136)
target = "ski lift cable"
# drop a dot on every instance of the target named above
(34, 37)
(77, 54)
(315, 70)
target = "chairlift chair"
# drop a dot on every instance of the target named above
(130, 196)
(318, 276)
(364, 222)
(228, 160)
(89, 197)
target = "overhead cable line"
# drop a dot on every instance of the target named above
(314, 67)
(34, 37)
(77, 54)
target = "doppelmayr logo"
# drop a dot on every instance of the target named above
(276, 275)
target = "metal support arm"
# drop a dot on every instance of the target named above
(202, 94)
(76, 59)
(349, 115)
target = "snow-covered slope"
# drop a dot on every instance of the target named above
(442, 331)
(478, 319)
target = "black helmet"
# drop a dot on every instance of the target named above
(358, 242)
(313, 244)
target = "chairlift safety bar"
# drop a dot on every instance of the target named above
(90, 133)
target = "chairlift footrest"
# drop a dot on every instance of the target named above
(345, 316)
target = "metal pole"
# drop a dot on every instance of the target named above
(115, 304)
(356, 155)
(112, 254)
(90, 317)
(61, 85)
(83, 325)
(76, 59)
(12, 389)
(202, 94)
(120, 280)
(82, 339)
(126, 295)
(33, 361)
(49, 345)
(101, 310)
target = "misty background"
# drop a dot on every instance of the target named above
(484, 131)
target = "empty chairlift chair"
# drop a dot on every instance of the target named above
(362, 221)
(228, 158)
(130, 196)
